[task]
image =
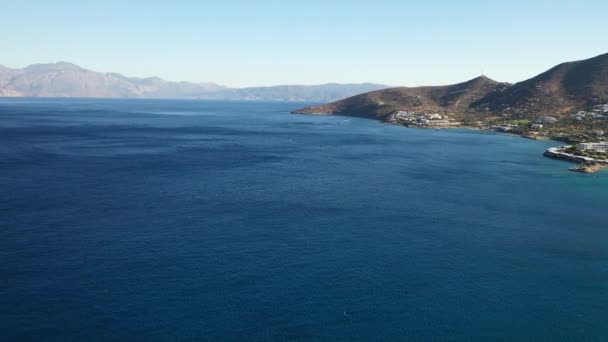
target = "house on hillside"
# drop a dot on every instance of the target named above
(536, 126)
(597, 147)
(545, 119)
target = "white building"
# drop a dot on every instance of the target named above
(601, 108)
(599, 147)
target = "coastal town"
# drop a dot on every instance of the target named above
(591, 157)
(587, 147)
(552, 105)
(424, 120)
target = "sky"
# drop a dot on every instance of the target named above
(256, 43)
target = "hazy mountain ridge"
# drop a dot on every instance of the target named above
(68, 80)
(64, 79)
(302, 93)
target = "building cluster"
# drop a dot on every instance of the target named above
(597, 112)
(515, 127)
(418, 119)
(597, 147)
(582, 115)
(536, 126)
(505, 127)
(602, 108)
(545, 119)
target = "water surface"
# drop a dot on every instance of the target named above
(191, 220)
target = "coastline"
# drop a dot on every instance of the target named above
(585, 164)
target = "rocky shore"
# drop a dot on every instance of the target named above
(588, 168)
(586, 164)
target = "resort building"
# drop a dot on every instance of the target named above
(537, 126)
(601, 108)
(598, 147)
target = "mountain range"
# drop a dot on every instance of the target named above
(64, 79)
(559, 91)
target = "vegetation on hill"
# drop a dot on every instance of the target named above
(550, 99)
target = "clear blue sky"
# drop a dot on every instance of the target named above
(246, 43)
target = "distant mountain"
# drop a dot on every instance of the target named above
(561, 90)
(68, 80)
(302, 93)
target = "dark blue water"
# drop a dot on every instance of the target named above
(186, 220)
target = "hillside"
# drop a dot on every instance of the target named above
(560, 91)
(440, 99)
(68, 80)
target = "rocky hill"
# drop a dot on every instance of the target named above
(68, 80)
(440, 99)
(559, 91)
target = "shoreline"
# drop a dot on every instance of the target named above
(585, 164)
(471, 128)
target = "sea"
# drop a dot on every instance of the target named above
(185, 220)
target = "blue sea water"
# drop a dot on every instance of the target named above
(191, 220)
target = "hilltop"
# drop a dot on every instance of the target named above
(440, 99)
(560, 90)
(64, 79)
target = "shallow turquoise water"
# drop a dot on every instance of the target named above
(153, 220)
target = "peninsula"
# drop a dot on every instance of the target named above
(568, 102)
